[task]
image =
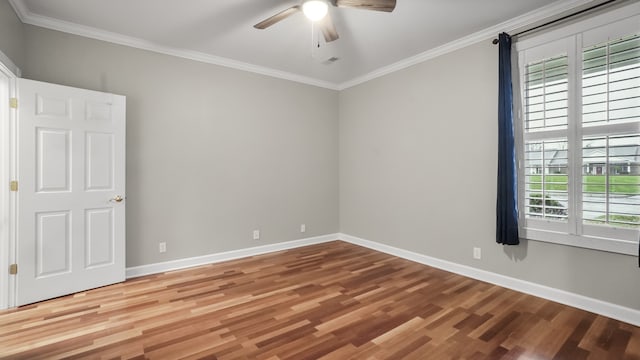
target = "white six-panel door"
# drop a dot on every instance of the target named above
(71, 177)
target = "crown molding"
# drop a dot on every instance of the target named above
(30, 18)
(482, 35)
(20, 9)
(519, 22)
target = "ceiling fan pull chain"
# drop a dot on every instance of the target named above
(312, 39)
(317, 38)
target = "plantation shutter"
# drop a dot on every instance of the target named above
(545, 151)
(611, 152)
(579, 145)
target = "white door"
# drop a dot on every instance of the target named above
(71, 186)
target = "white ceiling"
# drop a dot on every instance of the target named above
(221, 31)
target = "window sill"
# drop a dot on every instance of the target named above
(583, 241)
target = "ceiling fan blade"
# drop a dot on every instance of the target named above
(377, 5)
(277, 17)
(328, 29)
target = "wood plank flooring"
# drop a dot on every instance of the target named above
(328, 301)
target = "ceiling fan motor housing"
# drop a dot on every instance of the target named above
(318, 11)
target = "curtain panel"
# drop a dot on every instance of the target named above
(507, 200)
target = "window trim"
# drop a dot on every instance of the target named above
(572, 39)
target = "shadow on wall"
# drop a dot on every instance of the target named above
(517, 252)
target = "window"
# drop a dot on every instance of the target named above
(579, 151)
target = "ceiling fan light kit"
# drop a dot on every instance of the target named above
(318, 11)
(315, 10)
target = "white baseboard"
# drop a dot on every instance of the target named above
(142, 270)
(625, 314)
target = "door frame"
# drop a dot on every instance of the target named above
(8, 172)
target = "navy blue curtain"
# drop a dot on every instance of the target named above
(507, 202)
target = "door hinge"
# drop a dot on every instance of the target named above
(13, 103)
(13, 269)
(13, 186)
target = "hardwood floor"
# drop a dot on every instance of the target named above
(330, 301)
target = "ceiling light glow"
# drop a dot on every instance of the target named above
(315, 10)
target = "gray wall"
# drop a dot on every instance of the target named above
(212, 153)
(11, 34)
(418, 171)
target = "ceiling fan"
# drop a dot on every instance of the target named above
(318, 11)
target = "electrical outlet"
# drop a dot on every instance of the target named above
(303, 228)
(477, 253)
(162, 247)
(256, 234)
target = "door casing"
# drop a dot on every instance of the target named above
(9, 73)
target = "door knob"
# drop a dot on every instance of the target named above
(118, 198)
